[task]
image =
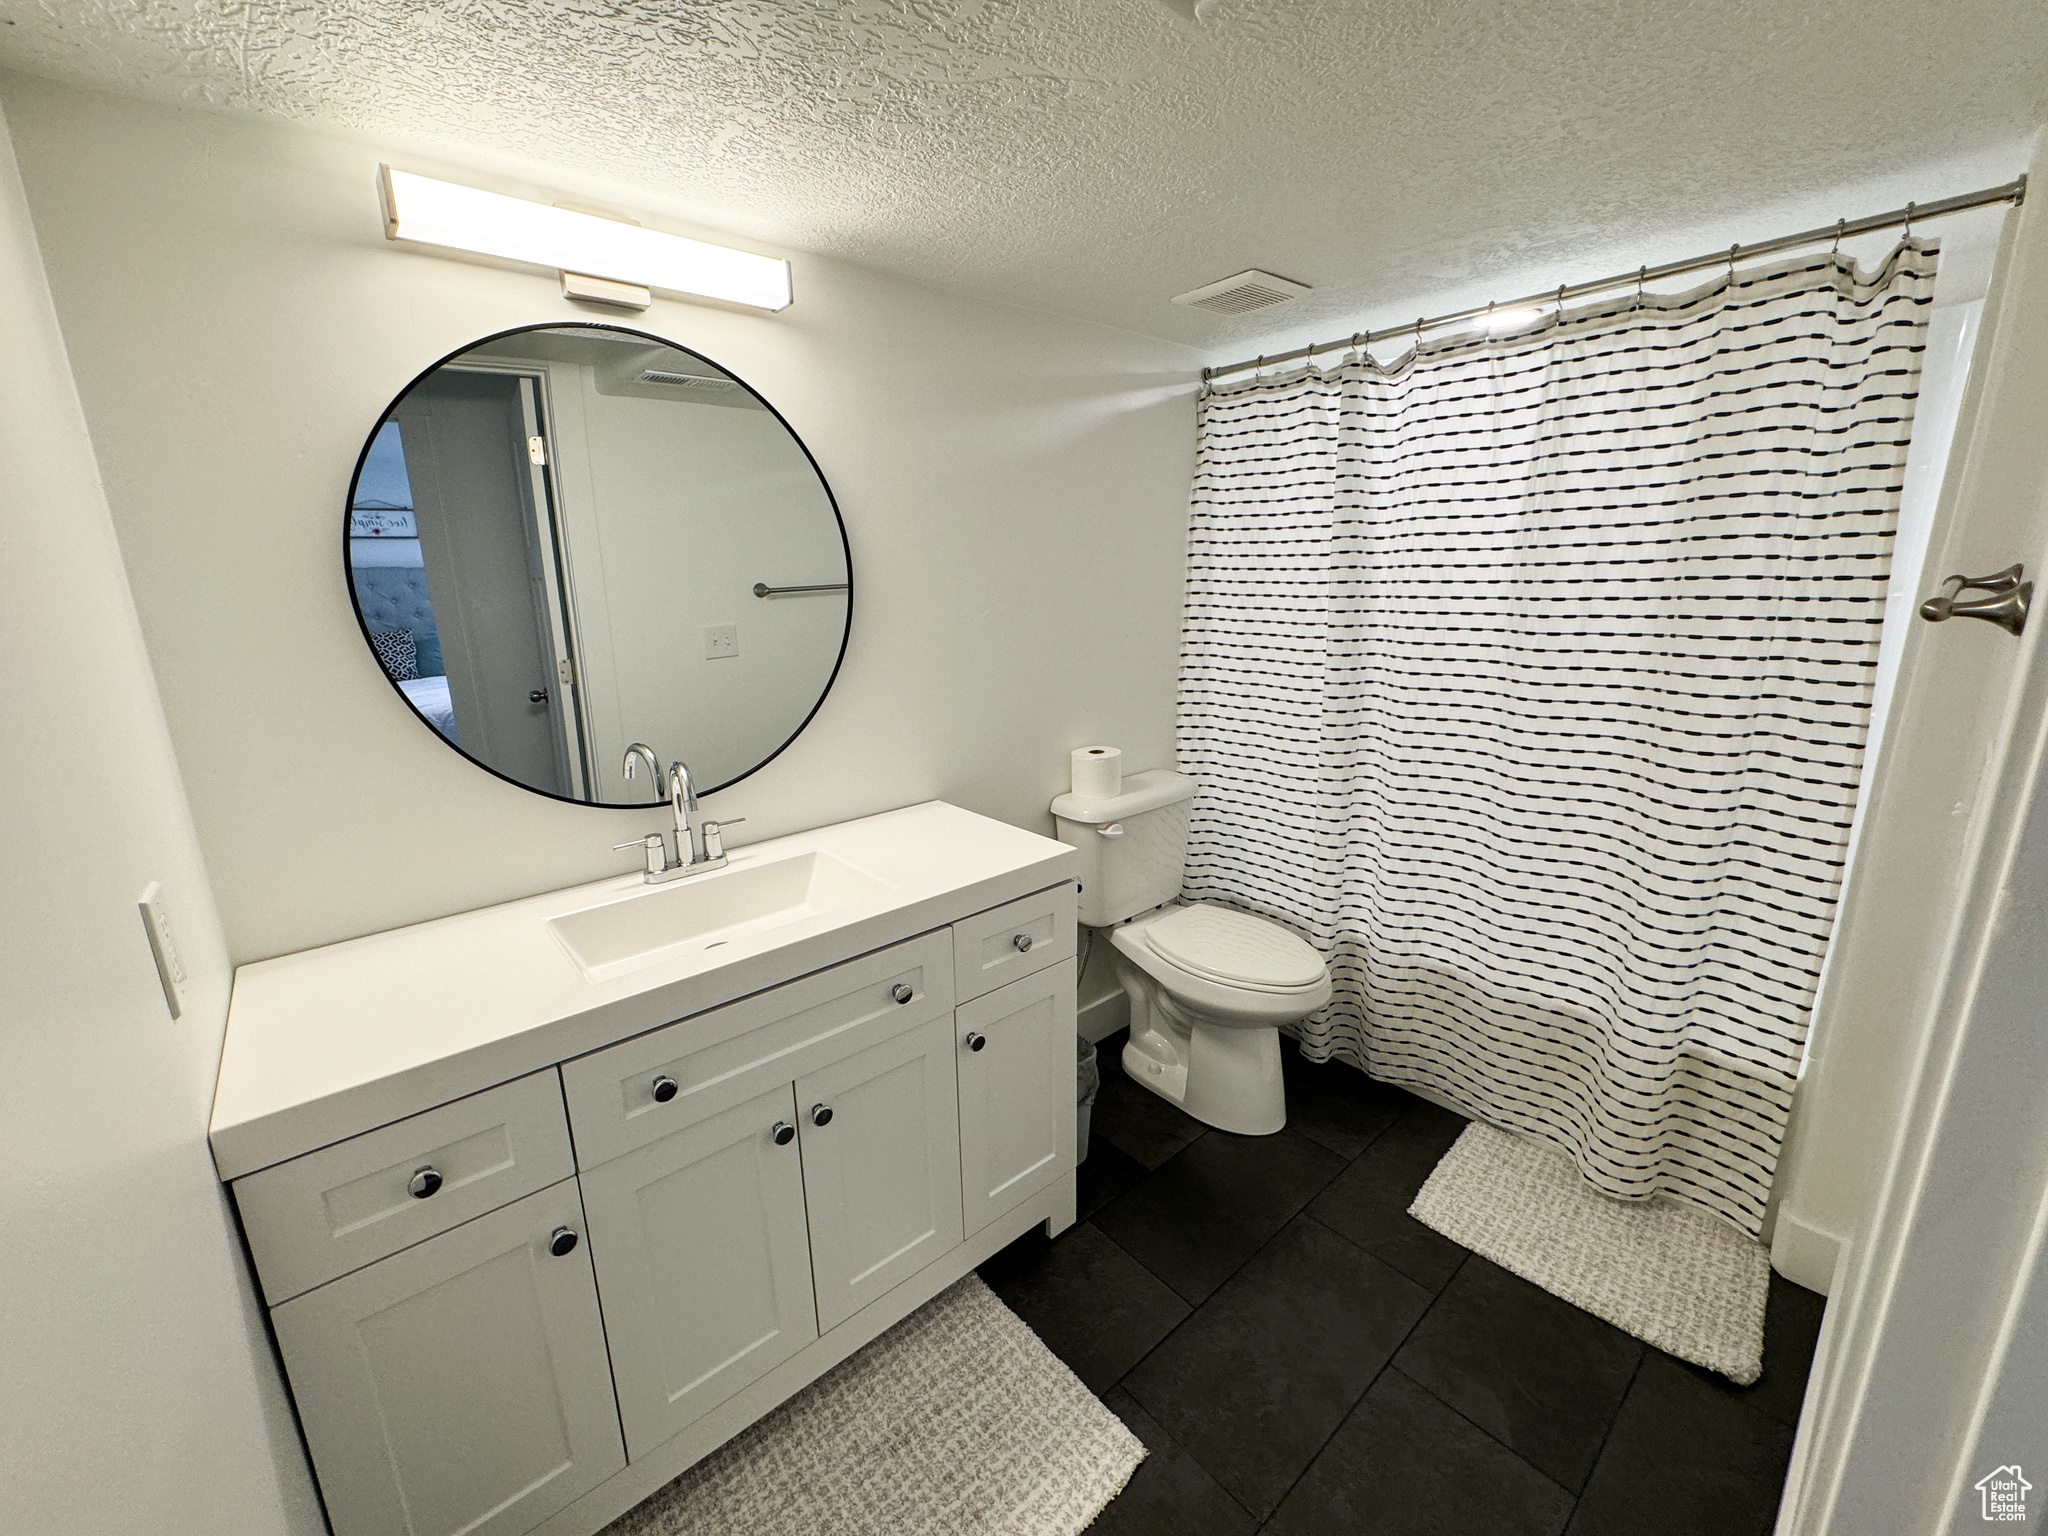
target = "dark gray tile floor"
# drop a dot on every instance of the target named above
(1300, 1355)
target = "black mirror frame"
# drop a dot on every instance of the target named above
(362, 624)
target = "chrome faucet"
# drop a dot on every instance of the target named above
(643, 752)
(700, 847)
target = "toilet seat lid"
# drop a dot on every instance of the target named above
(1234, 947)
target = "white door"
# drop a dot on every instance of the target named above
(881, 1144)
(461, 1385)
(703, 1263)
(1929, 1375)
(1016, 1052)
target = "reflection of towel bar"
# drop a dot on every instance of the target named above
(762, 589)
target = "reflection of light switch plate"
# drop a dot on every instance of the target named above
(170, 969)
(721, 640)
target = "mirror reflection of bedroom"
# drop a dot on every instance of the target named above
(554, 541)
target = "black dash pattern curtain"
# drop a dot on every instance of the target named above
(1528, 678)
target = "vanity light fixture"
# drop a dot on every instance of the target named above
(604, 260)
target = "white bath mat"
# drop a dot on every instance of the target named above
(956, 1422)
(1676, 1278)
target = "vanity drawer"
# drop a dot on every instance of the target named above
(706, 1064)
(995, 947)
(337, 1209)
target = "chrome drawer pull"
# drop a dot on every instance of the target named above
(1023, 943)
(423, 1183)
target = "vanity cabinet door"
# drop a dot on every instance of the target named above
(881, 1149)
(1016, 1055)
(703, 1262)
(461, 1385)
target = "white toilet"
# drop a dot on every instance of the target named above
(1209, 987)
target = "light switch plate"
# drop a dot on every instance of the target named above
(721, 640)
(170, 969)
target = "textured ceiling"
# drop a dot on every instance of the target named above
(1094, 157)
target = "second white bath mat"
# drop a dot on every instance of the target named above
(956, 1422)
(1676, 1278)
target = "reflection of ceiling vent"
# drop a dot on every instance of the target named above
(1246, 291)
(684, 380)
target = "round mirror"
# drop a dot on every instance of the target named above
(567, 540)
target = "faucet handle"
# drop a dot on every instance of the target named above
(653, 849)
(714, 836)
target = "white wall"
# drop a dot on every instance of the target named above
(1014, 487)
(137, 1390)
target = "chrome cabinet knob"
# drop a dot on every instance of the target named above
(782, 1132)
(901, 993)
(562, 1242)
(538, 696)
(975, 1041)
(664, 1089)
(821, 1114)
(1023, 943)
(423, 1183)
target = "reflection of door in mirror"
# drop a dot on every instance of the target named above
(482, 512)
(577, 525)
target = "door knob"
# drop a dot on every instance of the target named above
(538, 696)
(2006, 606)
(783, 1133)
(664, 1089)
(901, 993)
(976, 1041)
(821, 1114)
(423, 1183)
(562, 1242)
(1023, 943)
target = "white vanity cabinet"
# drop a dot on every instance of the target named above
(881, 1139)
(776, 1181)
(540, 1286)
(1016, 1092)
(460, 1386)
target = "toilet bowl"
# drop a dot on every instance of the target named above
(1209, 989)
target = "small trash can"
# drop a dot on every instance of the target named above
(1087, 1079)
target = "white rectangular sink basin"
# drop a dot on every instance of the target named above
(704, 912)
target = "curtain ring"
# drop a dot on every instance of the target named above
(1642, 273)
(1259, 368)
(1908, 233)
(1560, 303)
(1840, 224)
(1731, 262)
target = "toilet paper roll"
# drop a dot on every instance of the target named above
(1098, 772)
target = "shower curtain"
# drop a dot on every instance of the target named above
(1528, 678)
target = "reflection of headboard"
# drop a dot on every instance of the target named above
(395, 597)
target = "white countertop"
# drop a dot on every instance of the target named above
(335, 1041)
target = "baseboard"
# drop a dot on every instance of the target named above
(1053, 1207)
(1098, 1020)
(1804, 1254)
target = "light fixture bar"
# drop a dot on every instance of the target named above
(429, 212)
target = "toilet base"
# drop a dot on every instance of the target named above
(1224, 1076)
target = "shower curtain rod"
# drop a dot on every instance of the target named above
(2012, 192)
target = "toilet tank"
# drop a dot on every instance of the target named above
(1131, 845)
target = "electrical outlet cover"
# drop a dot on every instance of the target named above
(721, 640)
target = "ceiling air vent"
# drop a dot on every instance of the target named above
(683, 380)
(1246, 291)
